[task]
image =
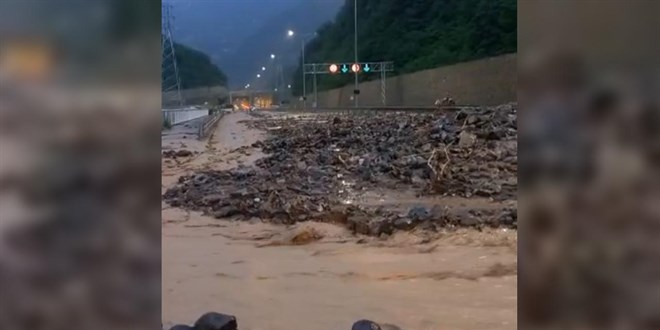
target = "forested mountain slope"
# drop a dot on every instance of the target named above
(414, 34)
(195, 69)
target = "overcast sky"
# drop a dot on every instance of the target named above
(239, 35)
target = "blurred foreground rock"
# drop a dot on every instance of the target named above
(216, 321)
(211, 321)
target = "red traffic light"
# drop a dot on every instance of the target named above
(333, 68)
(355, 67)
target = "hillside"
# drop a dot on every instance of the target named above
(196, 69)
(414, 34)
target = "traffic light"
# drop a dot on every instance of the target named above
(333, 68)
(344, 68)
(355, 67)
(366, 68)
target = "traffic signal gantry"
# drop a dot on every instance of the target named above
(339, 68)
(351, 68)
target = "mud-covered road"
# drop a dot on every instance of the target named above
(271, 277)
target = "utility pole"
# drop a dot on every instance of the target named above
(355, 96)
(171, 81)
(302, 43)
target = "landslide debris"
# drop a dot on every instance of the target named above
(177, 153)
(317, 167)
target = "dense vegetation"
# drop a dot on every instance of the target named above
(195, 69)
(131, 18)
(414, 34)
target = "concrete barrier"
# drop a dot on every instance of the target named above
(178, 116)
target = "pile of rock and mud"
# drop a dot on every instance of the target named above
(177, 153)
(317, 169)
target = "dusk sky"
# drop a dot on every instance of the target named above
(239, 35)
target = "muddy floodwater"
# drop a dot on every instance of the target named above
(459, 279)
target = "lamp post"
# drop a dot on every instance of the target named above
(302, 44)
(290, 34)
(275, 68)
(356, 50)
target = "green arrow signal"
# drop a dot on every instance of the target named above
(366, 68)
(344, 68)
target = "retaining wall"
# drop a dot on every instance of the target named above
(489, 81)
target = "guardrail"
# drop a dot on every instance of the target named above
(210, 122)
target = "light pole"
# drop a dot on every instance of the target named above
(356, 51)
(275, 68)
(304, 37)
(249, 94)
(302, 44)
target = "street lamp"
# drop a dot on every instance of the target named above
(258, 75)
(288, 86)
(303, 37)
(356, 46)
(263, 68)
(247, 86)
(272, 56)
